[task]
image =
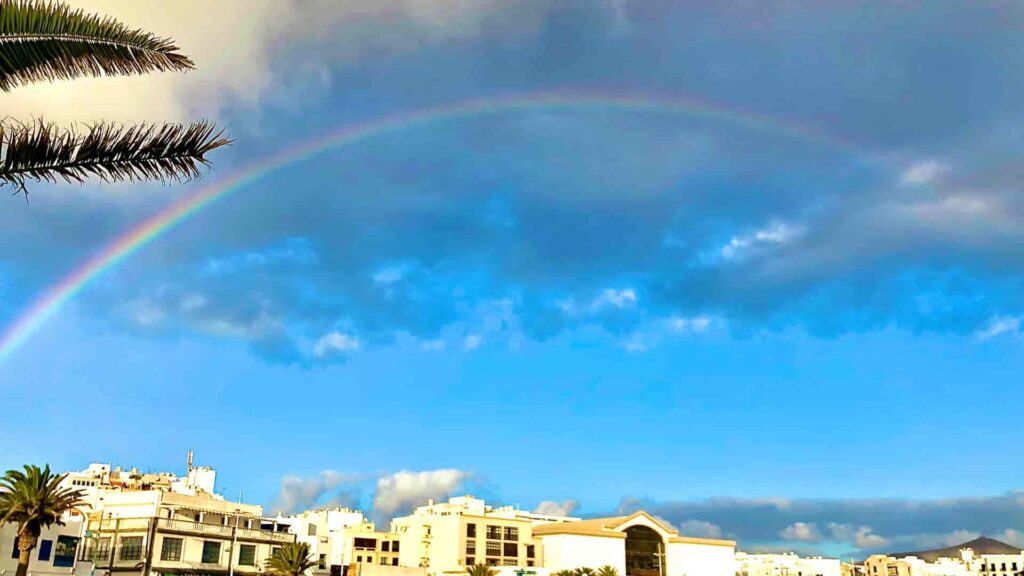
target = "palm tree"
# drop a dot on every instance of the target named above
(292, 559)
(480, 570)
(584, 571)
(565, 572)
(45, 40)
(607, 570)
(34, 500)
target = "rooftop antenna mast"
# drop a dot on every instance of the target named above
(189, 466)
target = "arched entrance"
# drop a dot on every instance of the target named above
(645, 552)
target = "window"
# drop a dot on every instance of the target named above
(311, 531)
(394, 561)
(321, 563)
(14, 551)
(470, 561)
(385, 546)
(494, 548)
(529, 563)
(394, 547)
(511, 533)
(470, 546)
(247, 555)
(511, 549)
(492, 561)
(530, 551)
(275, 550)
(211, 552)
(365, 543)
(170, 549)
(64, 555)
(45, 547)
(508, 562)
(131, 548)
(1004, 566)
(494, 532)
(359, 558)
(470, 530)
(101, 549)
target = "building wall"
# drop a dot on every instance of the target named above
(1000, 564)
(787, 564)
(437, 537)
(45, 560)
(685, 559)
(571, 551)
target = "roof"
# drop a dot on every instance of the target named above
(611, 528)
(980, 546)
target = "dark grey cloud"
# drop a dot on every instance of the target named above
(858, 526)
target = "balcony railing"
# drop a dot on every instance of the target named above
(221, 531)
(119, 524)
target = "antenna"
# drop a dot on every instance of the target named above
(189, 461)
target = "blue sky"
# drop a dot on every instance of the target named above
(753, 334)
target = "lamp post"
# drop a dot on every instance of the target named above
(234, 541)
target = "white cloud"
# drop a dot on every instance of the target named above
(553, 508)
(297, 493)
(1012, 537)
(472, 341)
(693, 325)
(801, 532)
(999, 326)
(865, 539)
(924, 172)
(390, 274)
(615, 298)
(402, 490)
(700, 529)
(776, 233)
(861, 536)
(233, 45)
(335, 342)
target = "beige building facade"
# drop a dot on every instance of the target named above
(447, 538)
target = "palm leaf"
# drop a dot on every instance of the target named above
(110, 152)
(48, 40)
(34, 499)
(292, 559)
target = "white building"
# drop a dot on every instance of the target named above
(788, 564)
(446, 538)
(636, 545)
(55, 554)
(340, 537)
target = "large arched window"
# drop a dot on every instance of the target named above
(645, 552)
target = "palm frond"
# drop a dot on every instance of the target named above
(48, 40)
(34, 499)
(480, 570)
(292, 559)
(110, 152)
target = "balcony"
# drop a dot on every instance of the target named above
(190, 527)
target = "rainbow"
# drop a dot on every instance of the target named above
(57, 296)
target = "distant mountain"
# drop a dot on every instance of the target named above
(980, 546)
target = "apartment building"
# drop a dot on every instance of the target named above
(151, 531)
(340, 537)
(448, 537)
(788, 564)
(1000, 564)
